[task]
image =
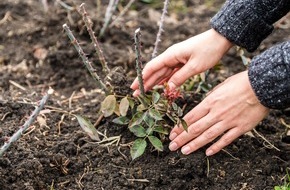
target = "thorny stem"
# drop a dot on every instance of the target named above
(108, 16)
(138, 61)
(24, 127)
(160, 30)
(97, 47)
(85, 59)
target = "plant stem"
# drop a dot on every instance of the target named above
(24, 127)
(108, 16)
(126, 8)
(85, 59)
(97, 47)
(160, 30)
(138, 61)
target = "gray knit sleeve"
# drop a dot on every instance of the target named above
(247, 22)
(269, 75)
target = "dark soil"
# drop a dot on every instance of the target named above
(55, 153)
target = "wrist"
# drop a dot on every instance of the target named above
(223, 43)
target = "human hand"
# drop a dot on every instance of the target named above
(183, 60)
(230, 109)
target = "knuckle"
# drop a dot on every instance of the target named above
(210, 134)
(194, 130)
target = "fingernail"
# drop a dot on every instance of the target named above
(185, 150)
(209, 152)
(173, 146)
(135, 93)
(172, 136)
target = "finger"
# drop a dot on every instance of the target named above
(194, 131)
(225, 140)
(207, 136)
(188, 70)
(191, 117)
(152, 82)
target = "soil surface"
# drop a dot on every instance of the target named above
(55, 153)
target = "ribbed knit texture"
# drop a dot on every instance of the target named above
(247, 22)
(269, 75)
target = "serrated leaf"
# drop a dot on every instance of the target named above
(160, 129)
(138, 148)
(156, 142)
(155, 114)
(148, 119)
(124, 106)
(108, 105)
(155, 97)
(137, 119)
(138, 130)
(122, 120)
(88, 127)
(184, 124)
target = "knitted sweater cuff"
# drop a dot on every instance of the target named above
(269, 75)
(240, 24)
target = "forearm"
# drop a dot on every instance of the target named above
(269, 75)
(247, 22)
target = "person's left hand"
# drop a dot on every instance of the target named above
(230, 109)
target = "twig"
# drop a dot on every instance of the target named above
(85, 59)
(138, 61)
(108, 16)
(160, 30)
(17, 85)
(139, 180)
(271, 145)
(94, 39)
(23, 128)
(126, 8)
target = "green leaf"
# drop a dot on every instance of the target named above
(138, 130)
(144, 100)
(179, 112)
(155, 97)
(138, 148)
(141, 107)
(155, 114)
(174, 106)
(124, 106)
(108, 105)
(148, 119)
(277, 188)
(156, 142)
(88, 127)
(184, 124)
(131, 103)
(122, 120)
(160, 129)
(171, 117)
(137, 119)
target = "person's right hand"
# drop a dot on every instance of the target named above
(183, 60)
